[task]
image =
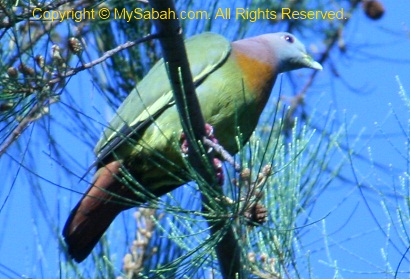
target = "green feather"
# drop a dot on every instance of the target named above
(206, 52)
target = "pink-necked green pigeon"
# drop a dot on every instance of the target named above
(139, 155)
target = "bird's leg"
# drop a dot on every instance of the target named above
(210, 138)
(213, 145)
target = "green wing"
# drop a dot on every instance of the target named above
(206, 53)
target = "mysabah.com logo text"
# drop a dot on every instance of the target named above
(252, 15)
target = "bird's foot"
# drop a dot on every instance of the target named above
(209, 132)
(210, 138)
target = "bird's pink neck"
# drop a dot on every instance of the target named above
(259, 67)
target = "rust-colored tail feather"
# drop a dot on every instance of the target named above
(91, 217)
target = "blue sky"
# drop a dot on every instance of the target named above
(379, 55)
(379, 51)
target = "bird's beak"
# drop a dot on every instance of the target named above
(310, 63)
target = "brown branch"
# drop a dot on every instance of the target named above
(334, 38)
(226, 246)
(35, 112)
(101, 59)
(220, 150)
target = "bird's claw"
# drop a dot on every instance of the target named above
(209, 132)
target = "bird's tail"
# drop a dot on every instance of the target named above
(95, 211)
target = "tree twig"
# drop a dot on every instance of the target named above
(101, 59)
(34, 114)
(219, 149)
(226, 246)
(34, 111)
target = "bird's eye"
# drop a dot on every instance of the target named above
(289, 39)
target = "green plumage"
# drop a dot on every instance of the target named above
(145, 132)
(139, 153)
(153, 94)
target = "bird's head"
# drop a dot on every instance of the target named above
(290, 52)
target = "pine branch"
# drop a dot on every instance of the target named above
(35, 112)
(171, 39)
